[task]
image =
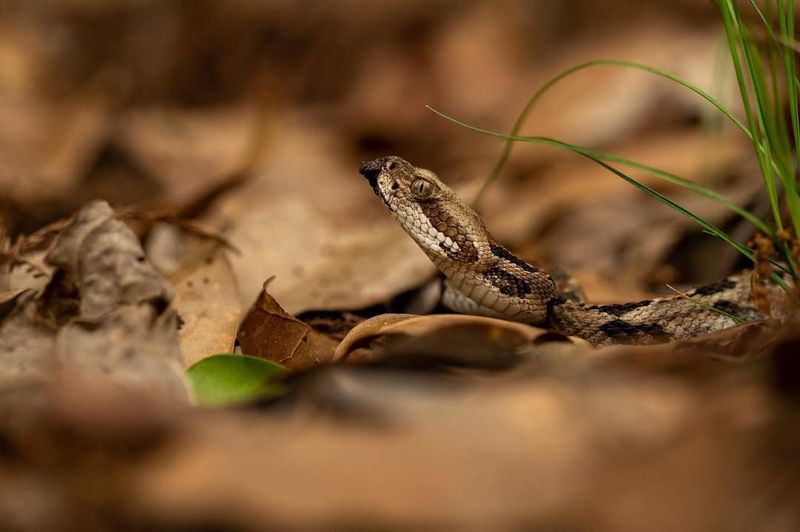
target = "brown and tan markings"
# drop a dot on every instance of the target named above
(502, 253)
(506, 282)
(447, 225)
(489, 279)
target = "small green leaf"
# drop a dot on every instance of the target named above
(226, 379)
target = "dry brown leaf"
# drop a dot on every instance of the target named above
(268, 331)
(207, 300)
(318, 265)
(605, 441)
(417, 326)
(105, 311)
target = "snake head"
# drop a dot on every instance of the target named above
(426, 209)
(395, 181)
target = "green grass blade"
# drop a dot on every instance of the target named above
(711, 308)
(766, 75)
(708, 226)
(526, 110)
(731, 34)
(680, 181)
(786, 23)
(754, 103)
(774, 53)
(786, 26)
(771, 132)
(702, 222)
(705, 224)
(606, 156)
(761, 118)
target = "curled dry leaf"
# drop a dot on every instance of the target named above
(459, 335)
(207, 301)
(268, 331)
(105, 311)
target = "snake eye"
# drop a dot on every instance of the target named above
(421, 188)
(391, 165)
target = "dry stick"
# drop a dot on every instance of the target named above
(189, 226)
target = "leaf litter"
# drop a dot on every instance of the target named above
(229, 158)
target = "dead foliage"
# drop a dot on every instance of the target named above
(159, 160)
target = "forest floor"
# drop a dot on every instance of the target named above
(180, 180)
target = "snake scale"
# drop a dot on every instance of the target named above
(483, 277)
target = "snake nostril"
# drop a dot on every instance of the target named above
(371, 170)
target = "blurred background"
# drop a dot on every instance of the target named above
(243, 123)
(252, 117)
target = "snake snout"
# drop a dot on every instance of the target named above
(371, 170)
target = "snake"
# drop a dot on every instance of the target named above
(482, 277)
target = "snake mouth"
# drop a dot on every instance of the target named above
(372, 171)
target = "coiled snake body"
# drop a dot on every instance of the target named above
(483, 277)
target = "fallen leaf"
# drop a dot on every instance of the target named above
(207, 300)
(506, 335)
(229, 379)
(268, 331)
(105, 311)
(329, 267)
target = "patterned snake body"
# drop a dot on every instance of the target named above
(485, 278)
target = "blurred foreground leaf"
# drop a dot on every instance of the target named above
(229, 379)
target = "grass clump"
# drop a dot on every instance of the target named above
(762, 48)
